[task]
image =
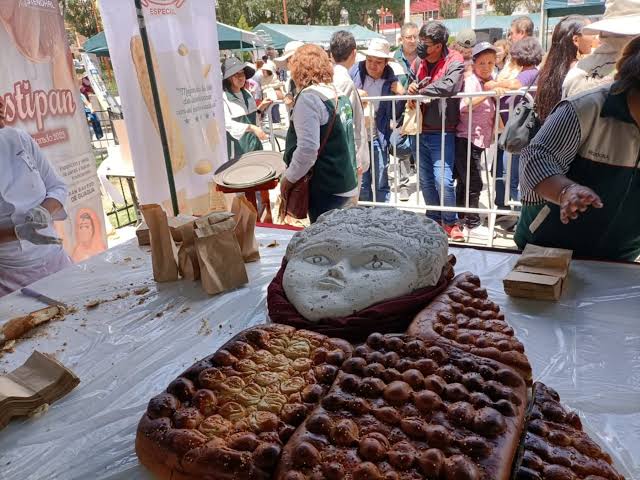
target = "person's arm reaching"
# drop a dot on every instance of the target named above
(546, 161)
(448, 85)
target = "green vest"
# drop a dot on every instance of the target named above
(607, 162)
(335, 169)
(248, 142)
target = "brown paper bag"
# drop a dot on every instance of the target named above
(410, 124)
(221, 263)
(187, 259)
(164, 254)
(245, 230)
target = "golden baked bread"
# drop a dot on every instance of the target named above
(228, 416)
(403, 409)
(463, 317)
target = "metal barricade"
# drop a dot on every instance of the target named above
(489, 155)
(492, 210)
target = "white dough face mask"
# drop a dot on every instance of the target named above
(351, 259)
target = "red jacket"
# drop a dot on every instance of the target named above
(446, 80)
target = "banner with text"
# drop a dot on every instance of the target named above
(184, 49)
(41, 95)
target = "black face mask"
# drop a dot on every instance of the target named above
(422, 50)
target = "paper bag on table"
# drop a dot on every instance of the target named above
(187, 258)
(540, 273)
(245, 231)
(219, 256)
(164, 254)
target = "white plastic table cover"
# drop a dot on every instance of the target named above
(586, 346)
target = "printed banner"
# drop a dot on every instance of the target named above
(184, 49)
(41, 95)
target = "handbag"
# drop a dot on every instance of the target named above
(295, 202)
(522, 125)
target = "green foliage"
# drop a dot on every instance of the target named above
(81, 16)
(450, 8)
(300, 12)
(242, 23)
(505, 7)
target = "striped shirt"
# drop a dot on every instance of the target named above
(550, 152)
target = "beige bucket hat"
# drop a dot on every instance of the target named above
(378, 47)
(621, 17)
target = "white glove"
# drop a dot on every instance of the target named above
(29, 231)
(38, 214)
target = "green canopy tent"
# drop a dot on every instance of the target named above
(97, 45)
(562, 8)
(554, 9)
(229, 38)
(279, 35)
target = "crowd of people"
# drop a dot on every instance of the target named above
(348, 159)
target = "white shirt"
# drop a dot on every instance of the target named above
(345, 86)
(27, 179)
(309, 114)
(235, 108)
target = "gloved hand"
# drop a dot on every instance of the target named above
(29, 231)
(38, 214)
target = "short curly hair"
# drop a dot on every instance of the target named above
(416, 235)
(310, 66)
(527, 52)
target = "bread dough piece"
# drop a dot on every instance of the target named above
(463, 316)
(203, 167)
(403, 409)
(228, 415)
(555, 446)
(171, 122)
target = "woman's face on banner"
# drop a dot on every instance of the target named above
(85, 229)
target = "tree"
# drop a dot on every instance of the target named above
(505, 7)
(532, 6)
(242, 23)
(81, 16)
(450, 8)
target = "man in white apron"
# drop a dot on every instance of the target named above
(31, 197)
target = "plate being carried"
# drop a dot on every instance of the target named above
(251, 169)
(248, 174)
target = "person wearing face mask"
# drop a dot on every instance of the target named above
(31, 198)
(440, 74)
(240, 111)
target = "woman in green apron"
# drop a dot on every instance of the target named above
(579, 176)
(320, 137)
(240, 110)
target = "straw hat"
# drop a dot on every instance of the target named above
(621, 17)
(232, 65)
(289, 49)
(379, 48)
(251, 169)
